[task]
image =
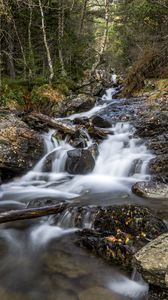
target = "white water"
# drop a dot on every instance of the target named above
(129, 288)
(122, 161)
(114, 78)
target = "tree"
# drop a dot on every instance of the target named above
(50, 65)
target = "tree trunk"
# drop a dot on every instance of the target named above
(10, 61)
(50, 65)
(31, 56)
(82, 16)
(31, 213)
(60, 35)
(53, 123)
(104, 38)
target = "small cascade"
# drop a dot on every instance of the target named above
(122, 161)
(129, 288)
(108, 96)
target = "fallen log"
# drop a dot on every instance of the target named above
(61, 126)
(32, 213)
(53, 123)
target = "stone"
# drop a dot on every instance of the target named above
(159, 165)
(79, 161)
(152, 261)
(20, 147)
(157, 293)
(155, 190)
(94, 149)
(35, 203)
(77, 103)
(78, 143)
(117, 232)
(101, 122)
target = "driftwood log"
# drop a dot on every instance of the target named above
(31, 213)
(53, 123)
(70, 129)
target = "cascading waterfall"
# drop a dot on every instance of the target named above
(122, 160)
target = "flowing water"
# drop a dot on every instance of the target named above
(39, 260)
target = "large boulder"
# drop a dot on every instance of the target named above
(79, 161)
(20, 147)
(115, 233)
(101, 122)
(76, 104)
(151, 189)
(152, 261)
(159, 165)
(158, 144)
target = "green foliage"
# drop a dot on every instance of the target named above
(10, 95)
(137, 28)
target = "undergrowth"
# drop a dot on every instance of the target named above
(34, 96)
(151, 64)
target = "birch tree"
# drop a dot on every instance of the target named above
(50, 65)
(31, 55)
(104, 38)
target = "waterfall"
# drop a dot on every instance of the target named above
(122, 161)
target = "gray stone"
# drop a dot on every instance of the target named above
(152, 261)
(79, 161)
(20, 147)
(101, 122)
(151, 189)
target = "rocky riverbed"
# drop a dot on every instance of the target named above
(125, 235)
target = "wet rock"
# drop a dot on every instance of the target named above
(79, 143)
(20, 147)
(158, 144)
(76, 104)
(79, 161)
(157, 293)
(110, 248)
(47, 166)
(35, 203)
(93, 87)
(138, 221)
(152, 261)
(101, 122)
(117, 232)
(151, 189)
(94, 149)
(81, 121)
(159, 165)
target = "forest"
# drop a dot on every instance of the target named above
(62, 41)
(84, 149)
